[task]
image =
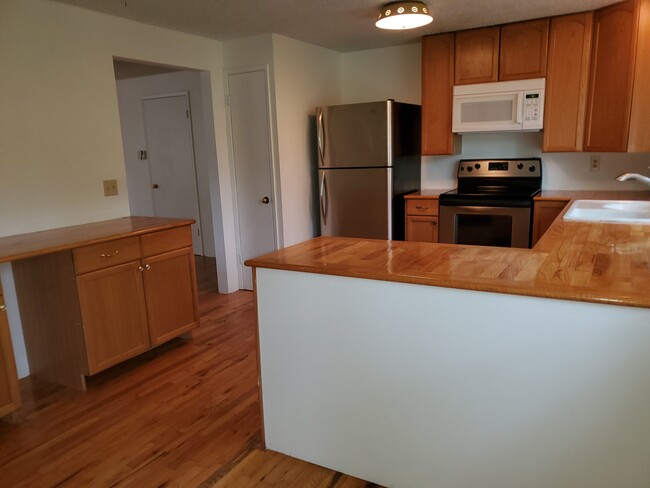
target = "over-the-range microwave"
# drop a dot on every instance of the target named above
(501, 106)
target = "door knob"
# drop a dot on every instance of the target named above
(155, 186)
(265, 200)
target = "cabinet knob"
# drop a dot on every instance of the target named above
(265, 200)
(3, 308)
(422, 208)
(147, 266)
(155, 186)
(140, 268)
(109, 254)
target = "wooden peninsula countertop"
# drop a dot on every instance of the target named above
(584, 261)
(13, 248)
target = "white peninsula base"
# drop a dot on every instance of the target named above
(420, 386)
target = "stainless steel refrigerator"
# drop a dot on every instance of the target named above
(369, 158)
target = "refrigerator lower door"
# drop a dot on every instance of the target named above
(356, 202)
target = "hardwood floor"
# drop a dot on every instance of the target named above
(183, 415)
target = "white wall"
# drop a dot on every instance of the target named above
(60, 130)
(411, 386)
(130, 93)
(561, 171)
(380, 74)
(306, 76)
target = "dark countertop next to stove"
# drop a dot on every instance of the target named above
(583, 261)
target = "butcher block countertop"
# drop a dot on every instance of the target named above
(584, 261)
(13, 248)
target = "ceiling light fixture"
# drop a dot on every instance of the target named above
(404, 15)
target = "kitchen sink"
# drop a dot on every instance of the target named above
(614, 211)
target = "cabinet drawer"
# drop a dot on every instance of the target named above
(106, 254)
(166, 240)
(422, 206)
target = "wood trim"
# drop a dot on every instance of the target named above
(49, 312)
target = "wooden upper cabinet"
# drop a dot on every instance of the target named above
(569, 53)
(639, 139)
(477, 56)
(523, 50)
(437, 94)
(612, 77)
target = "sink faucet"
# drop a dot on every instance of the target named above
(634, 176)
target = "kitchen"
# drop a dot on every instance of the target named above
(63, 116)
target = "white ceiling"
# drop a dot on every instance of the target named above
(342, 25)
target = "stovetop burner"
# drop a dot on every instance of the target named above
(499, 182)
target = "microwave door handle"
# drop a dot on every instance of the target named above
(520, 108)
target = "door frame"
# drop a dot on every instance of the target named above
(188, 104)
(278, 234)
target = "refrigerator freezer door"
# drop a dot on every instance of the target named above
(351, 136)
(356, 202)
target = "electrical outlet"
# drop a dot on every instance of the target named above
(594, 164)
(110, 188)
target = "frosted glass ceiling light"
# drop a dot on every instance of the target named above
(404, 15)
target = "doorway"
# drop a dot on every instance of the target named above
(257, 195)
(170, 153)
(168, 139)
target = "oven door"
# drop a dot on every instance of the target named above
(485, 226)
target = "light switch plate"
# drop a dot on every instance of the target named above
(110, 188)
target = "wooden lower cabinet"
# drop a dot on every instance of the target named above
(113, 314)
(421, 229)
(421, 219)
(544, 213)
(171, 303)
(94, 310)
(9, 391)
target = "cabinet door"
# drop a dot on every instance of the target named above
(639, 140)
(566, 85)
(477, 56)
(421, 229)
(171, 296)
(612, 73)
(9, 391)
(437, 94)
(113, 315)
(544, 213)
(523, 50)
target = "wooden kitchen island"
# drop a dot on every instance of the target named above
(93, 295)
(415, 364)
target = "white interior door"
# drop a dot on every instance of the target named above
(251, 148)
(171, 160)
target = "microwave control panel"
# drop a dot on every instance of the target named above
(533, 109)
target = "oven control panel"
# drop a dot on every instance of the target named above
(505, 168)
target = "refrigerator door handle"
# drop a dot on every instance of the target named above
(323, 199)
(320, 136)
